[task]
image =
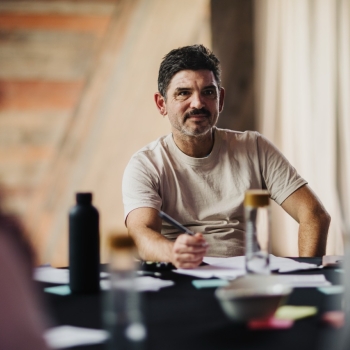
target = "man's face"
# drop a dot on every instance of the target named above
(193, 102)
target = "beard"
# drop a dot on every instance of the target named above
(199, 129)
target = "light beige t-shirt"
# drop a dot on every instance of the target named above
(206, 194)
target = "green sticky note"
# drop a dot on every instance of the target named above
(209, 283)
(331, 290)
(59, 290)
(290, 312)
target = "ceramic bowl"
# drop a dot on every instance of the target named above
(252, 297)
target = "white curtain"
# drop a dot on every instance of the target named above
(303, 103)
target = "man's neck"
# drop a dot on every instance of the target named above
(195, 146)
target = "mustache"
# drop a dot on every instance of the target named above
(198, 111)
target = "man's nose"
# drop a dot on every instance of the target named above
(197, 101)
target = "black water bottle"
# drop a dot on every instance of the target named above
(84, 246)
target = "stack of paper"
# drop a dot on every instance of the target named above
(231, 268)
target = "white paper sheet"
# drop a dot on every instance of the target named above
(302, 281)
(53, 275)
(68, 336)
(288, 265)
(61, 276)
(143, 284)
(236, 262)
(212, 271)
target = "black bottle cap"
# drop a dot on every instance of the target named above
(84, 198)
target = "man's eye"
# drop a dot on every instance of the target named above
(209, 92)
(182, 95)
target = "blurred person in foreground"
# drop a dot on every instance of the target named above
(21, 321)
(199, 173)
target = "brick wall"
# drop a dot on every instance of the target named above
(76, 101)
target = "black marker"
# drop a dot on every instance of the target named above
(174, 223)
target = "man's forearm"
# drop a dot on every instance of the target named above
(304, 206)
(144, 226)
(186, 252)
(152, 246)
(313, 236)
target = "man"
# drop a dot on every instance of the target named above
(199, 173)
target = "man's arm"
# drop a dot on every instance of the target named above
(304, 206)
(144, 226)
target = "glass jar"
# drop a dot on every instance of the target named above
(122, 312)
(257, 217)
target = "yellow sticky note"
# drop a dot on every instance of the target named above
(290, 312)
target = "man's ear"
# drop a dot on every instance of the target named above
(160, 103)
(221, 99)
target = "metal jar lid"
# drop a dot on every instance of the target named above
(121, 241)
(256, 198)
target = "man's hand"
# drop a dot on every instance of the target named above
(188, 251)
(144, 226)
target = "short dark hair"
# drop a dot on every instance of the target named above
(194, 57)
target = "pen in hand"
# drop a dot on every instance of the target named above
(175, 223)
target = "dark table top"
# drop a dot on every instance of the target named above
(183, 317)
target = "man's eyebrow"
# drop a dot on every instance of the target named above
(182, 89)
(211, 86)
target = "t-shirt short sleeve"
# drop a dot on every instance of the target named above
(140, 185)
(280, 177)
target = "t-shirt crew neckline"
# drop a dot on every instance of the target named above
(192, 160)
